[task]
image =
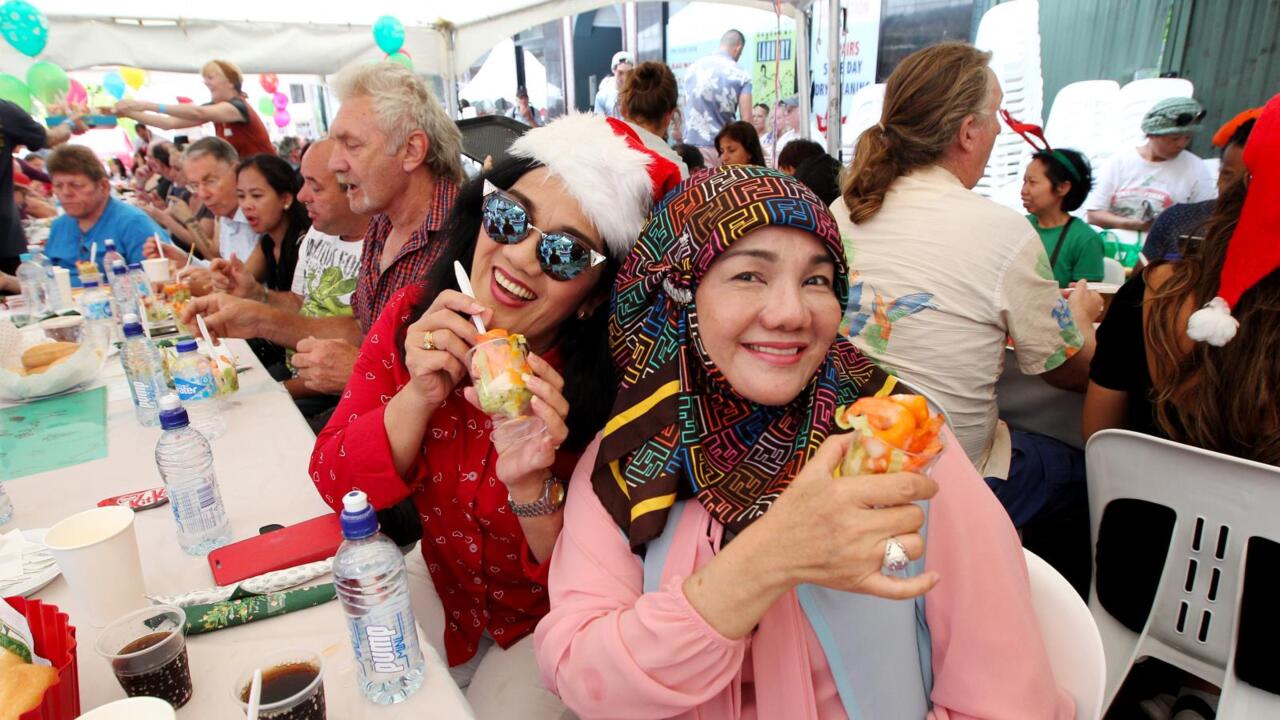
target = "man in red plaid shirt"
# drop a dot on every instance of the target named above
(399, 156)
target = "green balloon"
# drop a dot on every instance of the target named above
(15, 91)
(48, 82)
(267, 107)
(129, 124)
(401, 59)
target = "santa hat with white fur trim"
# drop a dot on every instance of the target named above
(606, 168)
(1254, 252)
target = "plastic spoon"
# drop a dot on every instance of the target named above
(255, 695)
(93, 252)
(464, 284)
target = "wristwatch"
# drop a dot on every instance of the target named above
(551, 500)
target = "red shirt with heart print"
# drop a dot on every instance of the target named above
(474, 547)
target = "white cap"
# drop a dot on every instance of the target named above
(622, 56)
(355, 501)
(170, 402)
(131, 318)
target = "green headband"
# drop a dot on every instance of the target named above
(1062, 160)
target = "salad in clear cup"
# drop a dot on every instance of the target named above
(498, 364)
(897, 433)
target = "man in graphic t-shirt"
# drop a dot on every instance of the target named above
(1136, 186)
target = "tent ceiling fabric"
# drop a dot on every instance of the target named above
(267, 37)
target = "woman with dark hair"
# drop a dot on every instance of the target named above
(267, 189)
(1057, 182)
(738, 144)
(647, 101)
(541, 236)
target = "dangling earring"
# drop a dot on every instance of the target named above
(582, 313)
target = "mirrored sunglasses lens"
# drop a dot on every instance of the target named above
(561, 257)
(504, 221)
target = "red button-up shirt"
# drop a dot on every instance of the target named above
(474, 546)
(375, 286)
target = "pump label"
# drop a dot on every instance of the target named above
(386, 649)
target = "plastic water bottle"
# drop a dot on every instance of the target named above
(31, 280)
(109, 259)
(194, 382)
(185, 462)
(369, 574)
(144, 371)
(52, 296)
(140, 281)
(124, 292)
(95, 306)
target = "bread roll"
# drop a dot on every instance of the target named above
(22, 688)
(41, 356)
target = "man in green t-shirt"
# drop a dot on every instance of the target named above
(1057, 182)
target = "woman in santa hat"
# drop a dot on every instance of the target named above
(540, 237)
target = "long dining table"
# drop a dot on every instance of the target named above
(261, 465)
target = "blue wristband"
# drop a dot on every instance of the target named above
(160, 108)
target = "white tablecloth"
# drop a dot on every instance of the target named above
(261, 463)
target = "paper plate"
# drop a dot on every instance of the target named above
(28, 585)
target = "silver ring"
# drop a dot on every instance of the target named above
(895, 557)
(427, 342)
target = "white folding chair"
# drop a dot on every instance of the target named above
(1070, 636)
(1011, 32)
(1220, 503)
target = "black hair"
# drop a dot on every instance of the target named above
(586, 365)
(821, 173)
(794, 153)
(746, 136)
(284, 180)
(1079, 174)
(691, 155)
(161, 154)
(1241, 135)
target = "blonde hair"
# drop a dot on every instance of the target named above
(228, 70)
(926, 100)
(404, 103)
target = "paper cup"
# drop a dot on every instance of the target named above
(62, 277)
(97, 552)
(68, 328)
(157, 269)
(137, 708)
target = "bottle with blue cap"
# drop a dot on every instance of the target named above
(194, 382)
(371, 581)
(95, 306)
(144, 371)
(110, 256)
(185, 461)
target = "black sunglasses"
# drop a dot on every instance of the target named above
(560, 255)
(1186, 118)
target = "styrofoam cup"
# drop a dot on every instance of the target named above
(62, 277)
(134, 708)
(97, 552)
(157, 269)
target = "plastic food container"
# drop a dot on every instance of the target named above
(55, 641)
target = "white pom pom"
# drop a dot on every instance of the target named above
(1213, 323)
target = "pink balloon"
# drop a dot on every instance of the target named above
(280, 100)
(282, 118)
(76, 93)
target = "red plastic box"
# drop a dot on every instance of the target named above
(55, 640)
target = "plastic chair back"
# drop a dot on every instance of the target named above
(865, 108)
(1080, 119)
(1070, 636)
(1134, 100)
(1112, 271)
(1220, 503)
(1011, 32)
(489, 135)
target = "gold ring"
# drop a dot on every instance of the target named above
(427, 343)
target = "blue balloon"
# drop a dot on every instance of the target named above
(25, 27)
(113, 83)
(388, 32)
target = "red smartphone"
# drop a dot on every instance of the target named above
(309, 541)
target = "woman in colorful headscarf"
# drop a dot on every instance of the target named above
(724, 334)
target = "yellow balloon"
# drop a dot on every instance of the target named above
(134, 77)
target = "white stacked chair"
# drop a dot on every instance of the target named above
(1081, 118)
(1134, 100)
(1011, 32)
(864, 111)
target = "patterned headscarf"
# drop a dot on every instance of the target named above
(678, 429)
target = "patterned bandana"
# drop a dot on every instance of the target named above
(678, 429)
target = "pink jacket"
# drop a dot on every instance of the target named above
(611, 651)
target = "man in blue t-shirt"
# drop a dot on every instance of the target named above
(83, 190)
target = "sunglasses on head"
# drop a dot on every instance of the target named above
(560, 255)
(1186, 118)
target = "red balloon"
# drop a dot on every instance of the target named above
(185, 100)
(269, 82)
